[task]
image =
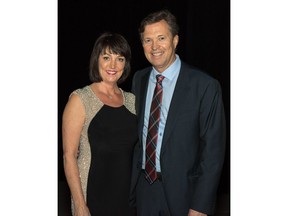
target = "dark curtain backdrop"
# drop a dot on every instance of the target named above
(204, 43)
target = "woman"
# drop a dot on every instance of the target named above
(99, 132)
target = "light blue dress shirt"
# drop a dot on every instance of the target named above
(169, 82)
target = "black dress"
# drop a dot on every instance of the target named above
(112, 135)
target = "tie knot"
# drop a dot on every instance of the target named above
(159, 78)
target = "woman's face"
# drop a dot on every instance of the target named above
(111, 66)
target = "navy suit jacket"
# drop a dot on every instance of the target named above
(193, 146)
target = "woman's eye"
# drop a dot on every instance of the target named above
(106, 58)
(121, 59)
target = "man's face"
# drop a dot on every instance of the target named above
(159, 45)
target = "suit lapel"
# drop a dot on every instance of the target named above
(142, 101)
(179, 95)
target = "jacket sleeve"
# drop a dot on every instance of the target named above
(212, 149)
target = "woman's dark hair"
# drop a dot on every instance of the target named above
(116, 44)
(157, 17)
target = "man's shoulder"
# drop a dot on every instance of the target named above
(195, 72)
(139, 74)
(143, 71)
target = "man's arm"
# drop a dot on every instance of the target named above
(212, 150)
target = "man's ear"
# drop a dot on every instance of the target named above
(175, 41)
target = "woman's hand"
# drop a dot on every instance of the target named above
(82, 211)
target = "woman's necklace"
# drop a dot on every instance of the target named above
(103, 92)
(110, 96)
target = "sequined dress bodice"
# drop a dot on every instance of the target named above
(105, 153)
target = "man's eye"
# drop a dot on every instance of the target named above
(161, 38)
(147, 41)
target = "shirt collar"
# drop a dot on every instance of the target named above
(171, 71)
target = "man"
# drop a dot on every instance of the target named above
(178, 162)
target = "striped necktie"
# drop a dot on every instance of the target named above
(152, 135)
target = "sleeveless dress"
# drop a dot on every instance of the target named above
(105, 154)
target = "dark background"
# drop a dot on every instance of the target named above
(204, 41)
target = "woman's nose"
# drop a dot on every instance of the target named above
(112, 63)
